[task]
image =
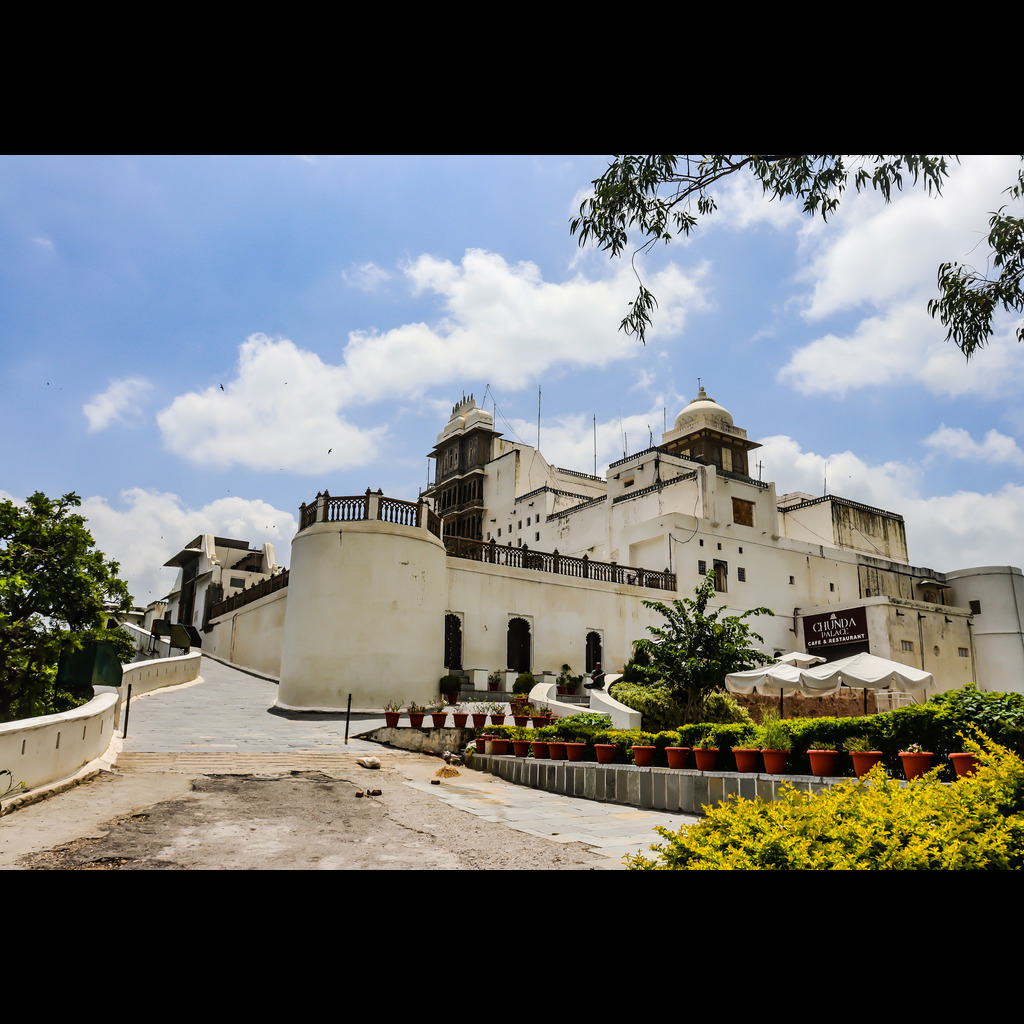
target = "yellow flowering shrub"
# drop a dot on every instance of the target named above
(867, 824)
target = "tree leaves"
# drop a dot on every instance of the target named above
(54, 588)
(652, 197)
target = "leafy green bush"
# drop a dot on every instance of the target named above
(975, 822)
(658, 709)
(450, 684)
(720, 708)
(524, 683)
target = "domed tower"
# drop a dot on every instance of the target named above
(705, 430)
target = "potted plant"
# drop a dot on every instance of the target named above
(478, 712)
(643, 751)
(605, 752)
(438, 715)
(705, 752)
(748, 757)
(493, 680)
(520, 741)
(678, 757)
(916, 761)
(964, 763)
(497, 712)
(774, 739)
(392, 713)
(450, 685)
(459, 716)
(823, 758)
(556, 749)
(540, 748)
(521, 714)
(864, 757)
(574, 750)
(566, 682)
(416, 712)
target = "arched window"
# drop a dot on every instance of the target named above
(593, 650)
(452, 641)
(519, 645)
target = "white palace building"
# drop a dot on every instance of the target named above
(509, 563)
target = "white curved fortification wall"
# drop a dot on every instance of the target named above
(368, 618)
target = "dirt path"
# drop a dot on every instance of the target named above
(140, 817)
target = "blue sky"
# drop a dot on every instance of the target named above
(345, 303)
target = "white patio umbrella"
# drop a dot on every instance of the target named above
(799, 658)
(869, 672)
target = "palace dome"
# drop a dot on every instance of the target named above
(706, 409)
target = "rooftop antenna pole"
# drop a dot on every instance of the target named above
(595, 444)
(538, 417)
(824, 484)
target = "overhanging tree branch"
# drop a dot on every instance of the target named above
(654, 197)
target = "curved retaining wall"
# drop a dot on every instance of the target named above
(51, 748)
(39, 751)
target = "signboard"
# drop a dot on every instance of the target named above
(832, 628)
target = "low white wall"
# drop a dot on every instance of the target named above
(143, 639)
(38, 751)
(44, 750)
(159, 672)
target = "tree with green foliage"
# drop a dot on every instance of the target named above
(655, 197)
(56, 590)
(696, 649)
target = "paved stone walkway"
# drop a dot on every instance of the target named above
(226, 723)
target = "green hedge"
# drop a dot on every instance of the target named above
(939, 726)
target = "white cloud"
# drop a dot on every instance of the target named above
(152, 526)
(883, 258)
(498, 322)
(120, 403)
(957, 443)
(904, 345)
(282, 410)
(367, 277)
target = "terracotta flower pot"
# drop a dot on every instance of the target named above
(748, 759)
(775, 761)
(823, 762)
(574, 751)
(964, 764)
(497, 719)
(391, 718)
(521, 748)
(499, 745)
(479, 721)
(540, 749)
(643, 757)
(439, 718)
(521, 720)
(539, 720)
(416, 719)
(605, 752)
(864, 761)
(452, 698)
(556, 750)
(916, 764)
(459, 720)
(706, 758)
(678, 757)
